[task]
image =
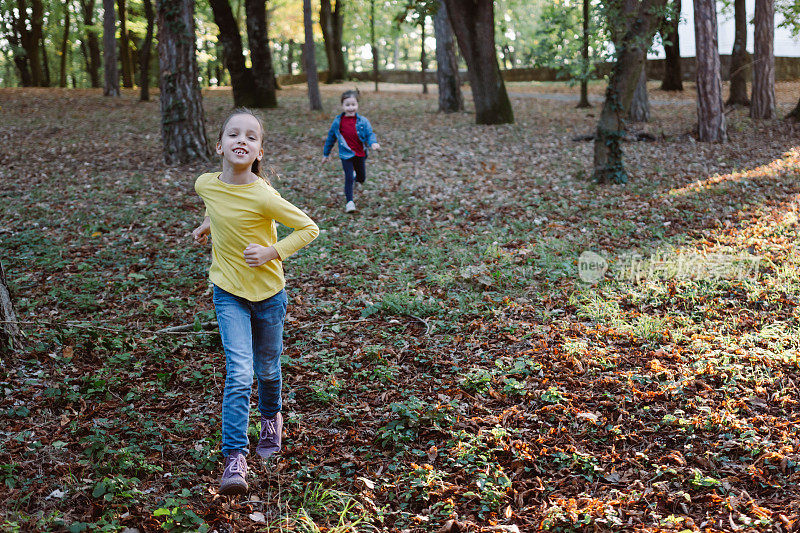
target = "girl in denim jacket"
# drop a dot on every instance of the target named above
(355, 136)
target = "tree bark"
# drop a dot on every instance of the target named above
(740, 59)
(794, 114)
(473, 24)
(35, 36)
(124, 47)
(27, 35)
(62, 78)
(673, 77)
(310, 60)
(710, 108)
(9, 328)
(45, 64)
(450, 97)
(111, 79)
(608, 165)
(144, 53)
(182, 122)
(584, 101)
(331, 20)
(260, 54)
(763, 98)
(290, 57)
(374, 48)
(92, 43)
(423, 61)
(640, 105)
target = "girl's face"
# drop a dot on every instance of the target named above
(240, 143)
(350, 106)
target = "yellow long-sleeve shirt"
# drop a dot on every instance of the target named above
(244, 214)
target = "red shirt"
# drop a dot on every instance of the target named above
(348, 128)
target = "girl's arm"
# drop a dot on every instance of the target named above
(305, 230)
(201, 232)
(329, 142)
(371, 137)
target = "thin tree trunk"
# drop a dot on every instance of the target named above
(16, 36)
(584, 101)
(144, 53)
(640, 105)
(763, 98)
(608, 165)
(331, 21)
(46, 82)
(372, 42)
(243, 81)
(37, 21)
(473, 24)
(182, 122)
(290, 57)
(260, 54)
(62, 78)
(92, 42)
(396, 51)
(124, 47)
(710, 108)
(794, 114)
(310, 60)
(673, 77)
(111, 80)
(740, 59)
(450, 98)
(10, 333)
(423, 61)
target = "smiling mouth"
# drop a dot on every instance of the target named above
(239, 151)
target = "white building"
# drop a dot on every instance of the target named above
(785, 44)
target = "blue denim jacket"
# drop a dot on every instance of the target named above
(363, 130)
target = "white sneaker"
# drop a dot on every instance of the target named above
(350, 207)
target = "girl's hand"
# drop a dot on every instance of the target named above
(256, 255)
(375, 146)
(325, 159)
(200, 234)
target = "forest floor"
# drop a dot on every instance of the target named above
(444, 360)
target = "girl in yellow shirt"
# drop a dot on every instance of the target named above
(247, 275)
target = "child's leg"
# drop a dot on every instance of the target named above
(267, 322)
(233, 317)
(360, 165)
(347, 165)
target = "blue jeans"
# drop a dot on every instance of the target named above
(355, 169)
(252, 335)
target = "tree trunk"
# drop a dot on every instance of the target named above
(92, 43)
(640, 105)
(290, 57)
(584, 101)
(473, 24)
(310, 60)
(37, 21)
(673, 77)
(46, 82)
(794, 114)
(124, 47)
(763, 98)
(27, 34)
(260, 54)
(608, 166)
(182, 123)
(111, 80)
(9, 328)
(423, 61)
(331, 20)
(374, 48)
(144, 53)
(396, 50)
(62, 78)
(245, 92)
(740, 59)
(450, 98)
(710, 109)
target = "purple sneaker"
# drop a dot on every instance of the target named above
(269, 440)
(233, 481)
